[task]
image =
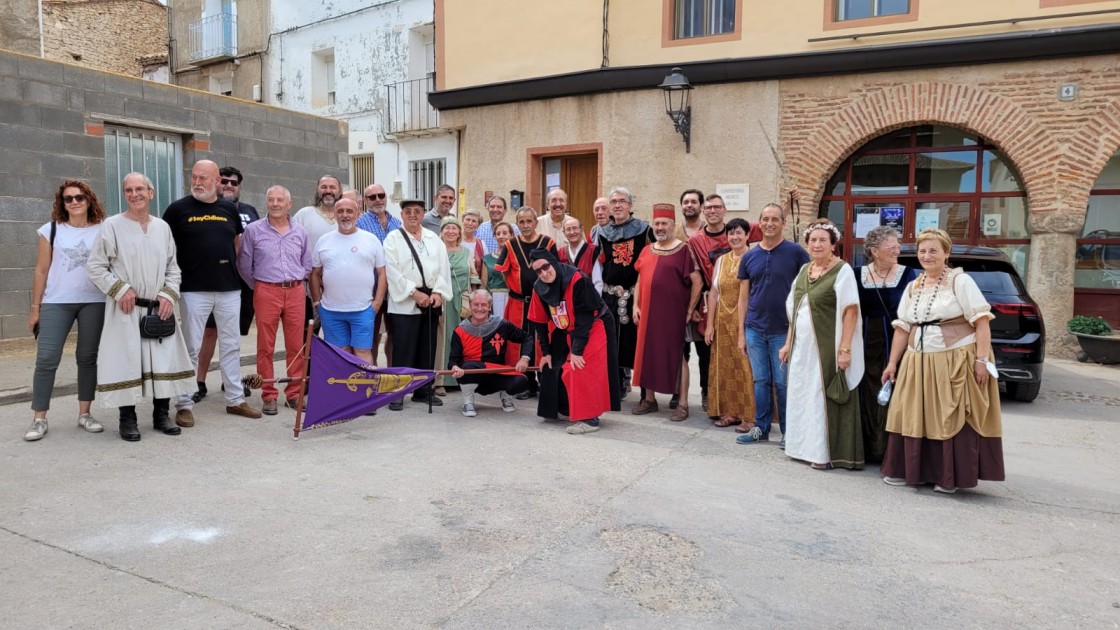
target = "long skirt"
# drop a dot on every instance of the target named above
(943, 427)
(594, 390)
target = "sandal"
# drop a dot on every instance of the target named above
(727, 421)
(744, 427)
(680, 414)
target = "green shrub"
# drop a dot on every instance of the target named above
(1089, 325)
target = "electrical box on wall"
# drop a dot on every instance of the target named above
(257, 92)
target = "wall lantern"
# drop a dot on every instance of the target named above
(678, 104)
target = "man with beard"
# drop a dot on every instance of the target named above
(766, 274)
(707, 244)
(665, 297)
(551, 223)
(692, 201)
(496, 208)
(513, 263)
(601, 209)
(378, 221)
(620, 244)
(318, 218)
(348, 283)
(230, 190)
(444, 202)
(207, 234)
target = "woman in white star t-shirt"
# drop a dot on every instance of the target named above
(62, 294)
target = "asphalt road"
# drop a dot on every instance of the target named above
(409, 520)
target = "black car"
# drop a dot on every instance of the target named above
(1018, 334)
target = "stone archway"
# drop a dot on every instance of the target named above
(819, 149)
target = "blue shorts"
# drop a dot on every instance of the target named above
(353, 329)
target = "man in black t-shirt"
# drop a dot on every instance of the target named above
(230, 190)
(207, 232)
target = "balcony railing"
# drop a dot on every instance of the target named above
(408, 110)
(213, 37)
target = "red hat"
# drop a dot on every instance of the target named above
(664, 211)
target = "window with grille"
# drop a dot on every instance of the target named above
(361, 172)
(700, 18)
(424, 177)
(157, 155)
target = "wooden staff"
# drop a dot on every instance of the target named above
(306, 351)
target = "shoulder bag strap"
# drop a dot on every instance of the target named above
(415, 257)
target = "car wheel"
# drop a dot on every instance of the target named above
(1024, 392)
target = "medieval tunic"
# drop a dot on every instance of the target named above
(579, 311)
(131, 370)
(483, 345)
(664, 292)
(820, 430)
(513, 262)
(878, 304)
(620, 244)
(942, 426)
(730, 392)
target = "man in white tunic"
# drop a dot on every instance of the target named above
(134, 258)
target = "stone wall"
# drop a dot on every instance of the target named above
(104, 34)
(53, 115)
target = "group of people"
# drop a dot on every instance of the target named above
(540, 307)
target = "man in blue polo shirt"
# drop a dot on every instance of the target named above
(766, 274)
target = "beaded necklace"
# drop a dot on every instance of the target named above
(929, 301)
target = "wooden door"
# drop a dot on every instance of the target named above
(579, 177)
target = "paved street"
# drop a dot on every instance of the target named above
(409, 520)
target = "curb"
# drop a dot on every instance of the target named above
(23, 394)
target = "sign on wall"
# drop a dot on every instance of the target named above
(736, 197)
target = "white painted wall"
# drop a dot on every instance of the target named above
(375, 44)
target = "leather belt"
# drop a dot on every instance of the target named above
(617, 290)
(623, 294)
(287, 284)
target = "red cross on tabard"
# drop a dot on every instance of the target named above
(497, 342)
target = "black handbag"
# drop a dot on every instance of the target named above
(151, 326)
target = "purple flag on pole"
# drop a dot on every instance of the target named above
(343, 387)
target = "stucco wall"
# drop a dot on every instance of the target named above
(568, 37)
(19, 28)
(109, 35)
(641, 150)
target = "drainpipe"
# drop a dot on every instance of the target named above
(42, 43)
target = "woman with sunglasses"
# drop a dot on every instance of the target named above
(62, 294)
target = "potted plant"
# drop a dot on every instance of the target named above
(1098, 341)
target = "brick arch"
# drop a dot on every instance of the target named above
(1089, 151)
(1023, 141)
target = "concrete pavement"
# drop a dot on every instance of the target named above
(410, 520)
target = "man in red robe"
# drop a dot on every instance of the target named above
(707, 244)
(666, 295)
(513, 262)
(579, 253)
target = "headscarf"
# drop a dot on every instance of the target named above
(552, 293)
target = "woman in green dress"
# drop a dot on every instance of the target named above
(451, 231)
(824, 350)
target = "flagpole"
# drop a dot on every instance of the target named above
(304, 385)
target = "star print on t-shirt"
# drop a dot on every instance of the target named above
(78, 255)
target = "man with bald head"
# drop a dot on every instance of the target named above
(274, 260)
(551, 223)
(207, 232)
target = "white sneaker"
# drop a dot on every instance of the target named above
(507, 403)
(937, 488)
(468, 406)
(579, 428)
(37, 431)
(89, 423)
(894, 481)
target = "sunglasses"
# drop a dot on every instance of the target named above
(543, 268)
(375, 196)
(230, 182)
(73, 198)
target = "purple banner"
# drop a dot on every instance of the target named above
(343, 387)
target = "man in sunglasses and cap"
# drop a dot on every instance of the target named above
(378, 221)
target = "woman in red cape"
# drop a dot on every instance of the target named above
(564, 298)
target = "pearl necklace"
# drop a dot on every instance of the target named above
(929, 301)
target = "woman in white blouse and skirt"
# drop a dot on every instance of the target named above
(944, 422)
